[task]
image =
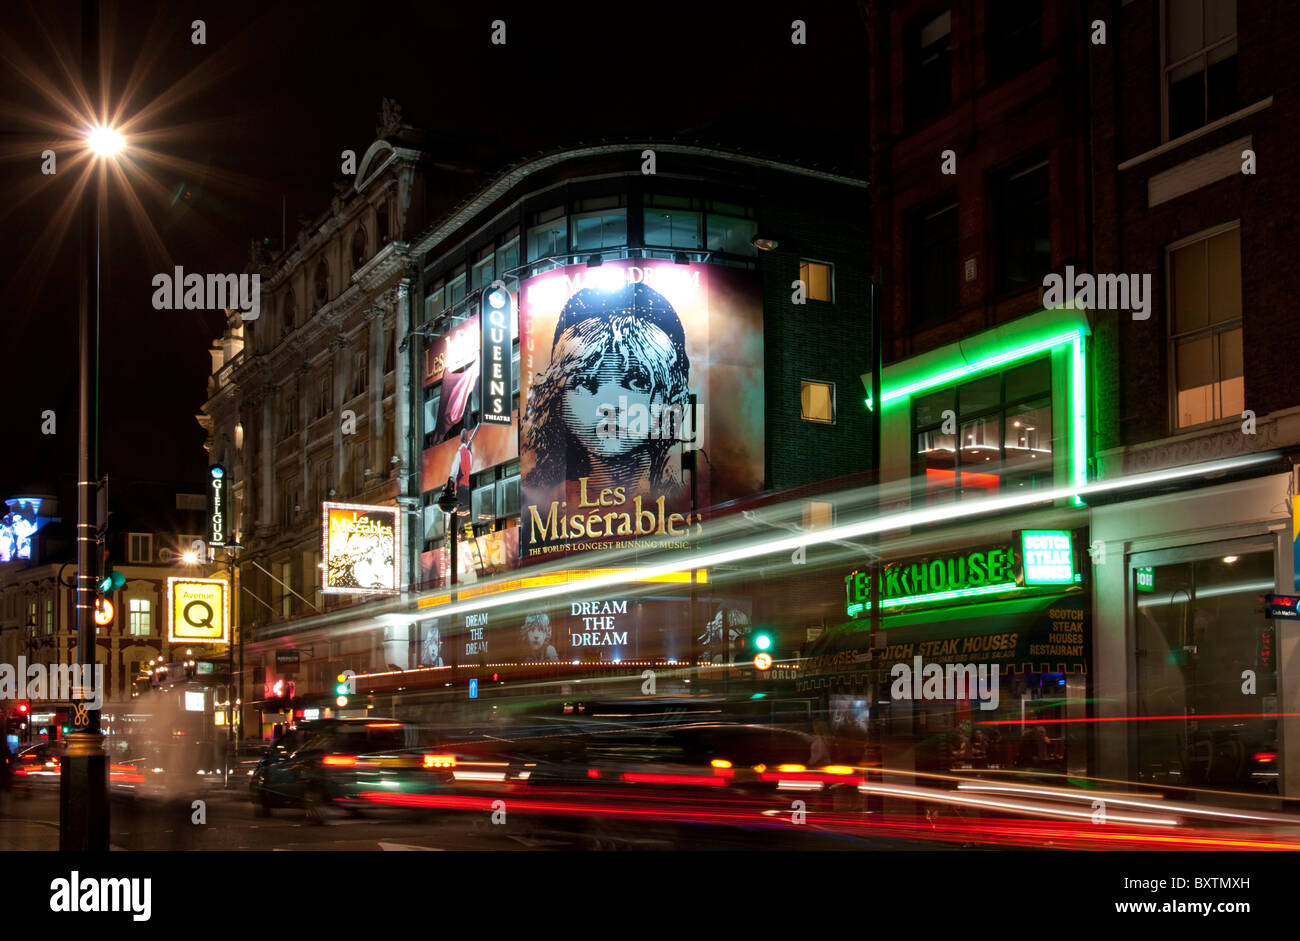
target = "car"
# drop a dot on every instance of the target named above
(333, 762)
(37, 764)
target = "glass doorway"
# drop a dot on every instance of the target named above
(1206, 667)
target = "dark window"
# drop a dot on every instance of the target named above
(321, 279)
(382, 234)
(928, 87)
(1200, 62)
(358, 247)
(1013, 37)
(1024, 236)
(934, 268)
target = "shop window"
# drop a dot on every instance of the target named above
(1013, 37)
(673, 228)
(985, 437)
(731, 235)
(817, 401)
(1196, 628)
(818, 280)
(1024, 234)
(1200, 56)
(934, 265)
(597, 230)
(1204, 280)
(928, 62)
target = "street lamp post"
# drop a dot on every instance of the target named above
(83, 784)
(449, 504)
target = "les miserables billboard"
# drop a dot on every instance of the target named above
(360, 548)
(623, 368)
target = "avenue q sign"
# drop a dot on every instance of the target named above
(216, 505)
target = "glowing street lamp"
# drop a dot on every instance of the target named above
(105, 142)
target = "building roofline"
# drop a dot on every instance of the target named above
(516, 173)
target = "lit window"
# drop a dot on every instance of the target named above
(817, 401)
(1204, 280)
(988, 436)
(1200, 63)
(817, 278)
(818, 514)
(139, 617)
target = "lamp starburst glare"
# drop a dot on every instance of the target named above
(105, 141)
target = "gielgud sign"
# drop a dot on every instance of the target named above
(623, 368)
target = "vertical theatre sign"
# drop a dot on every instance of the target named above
(360, 549)
(216, 505)
(494, 370)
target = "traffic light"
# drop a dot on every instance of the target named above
(24, 708)
(763, 640)
(111, 581)
(347, 686)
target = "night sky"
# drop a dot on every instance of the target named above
(262, 112)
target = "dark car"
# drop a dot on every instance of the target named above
(334, 762)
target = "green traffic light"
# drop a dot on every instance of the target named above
(112, 582)
(763, 641)
(341, 689)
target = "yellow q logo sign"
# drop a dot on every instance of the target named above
(198, 610)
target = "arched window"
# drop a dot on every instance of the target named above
(358, 247)
(288, 313)
(321, 279)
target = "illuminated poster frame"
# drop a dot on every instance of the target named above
(176, 593)
(332, 546)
